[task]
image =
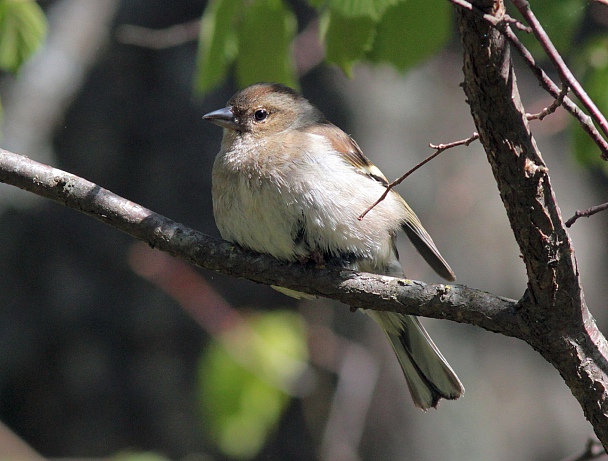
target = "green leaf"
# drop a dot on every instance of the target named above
(594, 81)
(411, 32)
(560, 19)
(265, 35)
(22, 30)
(347, 39)
(371, 9)
(245, 380)
(218, 44)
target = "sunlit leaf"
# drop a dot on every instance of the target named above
(218, 45)
(22, 30)
(347, 39)
(265, 36)
(595, 84)
(411, 32)
(245, 379)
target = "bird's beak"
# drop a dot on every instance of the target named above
(223, 117)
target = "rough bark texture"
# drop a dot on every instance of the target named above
(554, 318)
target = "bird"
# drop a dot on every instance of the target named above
(289, 183)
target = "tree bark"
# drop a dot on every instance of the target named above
(553, 313)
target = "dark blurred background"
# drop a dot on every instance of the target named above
(95, 359)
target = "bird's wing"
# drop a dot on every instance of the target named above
(411, 225)
(423, 242)
(345, 145)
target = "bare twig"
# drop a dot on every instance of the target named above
(546, 83)
(308, 52)
(564, 72)
(158, 39)
(440, 148)
(586, 213)
(593, 450)
(553, 107)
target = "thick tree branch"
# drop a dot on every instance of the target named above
(561, 327)
(452, 302)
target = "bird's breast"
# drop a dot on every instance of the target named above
(291, 206)
(251, 206)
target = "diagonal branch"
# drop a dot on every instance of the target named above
(554, 306)
(502, 24)
(439, 148)
(558, 62)
(584, 120)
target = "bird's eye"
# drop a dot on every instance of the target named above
(260, 115)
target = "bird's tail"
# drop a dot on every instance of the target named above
(429, 376)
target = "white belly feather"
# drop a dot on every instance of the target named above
(261, 207)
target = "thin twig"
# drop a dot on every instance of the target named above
(553, 107)
(564, 72)
(546, 83)
(586, 213)
(308, 52)
(158, 39)
(584, 120)
(439, 149)
(593, 450)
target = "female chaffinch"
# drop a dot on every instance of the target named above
(290, 184)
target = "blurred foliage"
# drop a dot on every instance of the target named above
(256, 36)
(245, 380)
(373, 9)
(22, 30)
(218, 45)
(411, 32)
(593, 66)
(348, 39)
(561, 20)
(138, 456)
(265, 33)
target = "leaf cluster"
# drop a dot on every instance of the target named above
(255, 37)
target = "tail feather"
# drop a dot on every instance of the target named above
(428, 375)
